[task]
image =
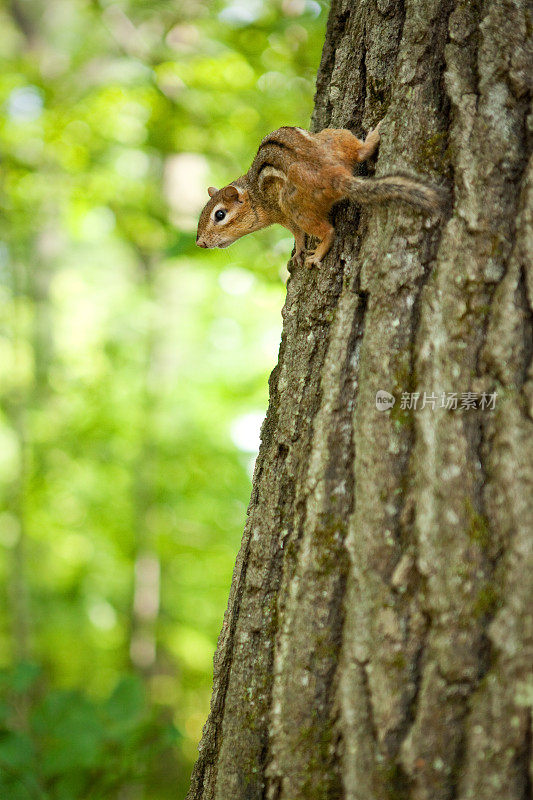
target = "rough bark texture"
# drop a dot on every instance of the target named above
(378, 642)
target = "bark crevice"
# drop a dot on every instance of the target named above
(379, 635)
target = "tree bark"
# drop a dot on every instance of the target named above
(378, 641)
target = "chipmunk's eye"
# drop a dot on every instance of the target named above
(219, 215)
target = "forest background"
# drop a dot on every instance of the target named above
(133, 371)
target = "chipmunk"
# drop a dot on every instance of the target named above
(295, 179)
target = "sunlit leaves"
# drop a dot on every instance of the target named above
(133, 367)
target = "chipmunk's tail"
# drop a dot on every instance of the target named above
(424, 196)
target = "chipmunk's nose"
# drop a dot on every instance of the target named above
(200, 242)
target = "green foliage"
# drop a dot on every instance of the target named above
(61, 745)
(133, 370)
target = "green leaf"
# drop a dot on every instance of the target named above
(126, 704)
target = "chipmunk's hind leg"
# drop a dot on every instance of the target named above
(346, 148)
(370, 144)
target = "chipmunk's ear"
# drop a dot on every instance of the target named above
(212, 191)
(230, 193)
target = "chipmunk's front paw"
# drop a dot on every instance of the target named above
(313, 260)
(299, 257)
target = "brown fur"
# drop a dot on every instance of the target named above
(295, 180)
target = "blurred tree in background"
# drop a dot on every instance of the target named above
(133, 371)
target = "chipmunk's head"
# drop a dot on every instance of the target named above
(227, 216)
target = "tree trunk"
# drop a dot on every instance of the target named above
(378, 641)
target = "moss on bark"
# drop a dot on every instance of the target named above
(378, 640)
